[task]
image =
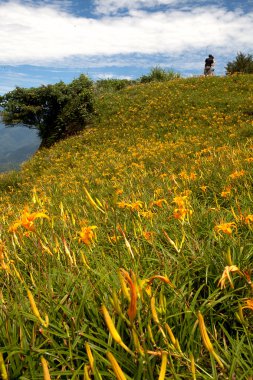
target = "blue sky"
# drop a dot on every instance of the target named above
(45, 41)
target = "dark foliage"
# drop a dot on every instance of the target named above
(57, 111)
(242, 64)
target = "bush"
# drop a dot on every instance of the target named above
(57, 110)
(112, 85)
(158, 74)
(242, 64)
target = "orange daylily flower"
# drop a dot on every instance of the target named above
(27, 220)
(237, 174)
(192, 176)
(2, 262)
(148, 235)
(206, 340)
(180, 201)
(146, 214)
(132, 206)
(226, 276)
(158, 202)
(115, 366)
(135, 205)
(249, 218)
(225, 193)
(122, 204)
(181, 213)
(164, 279)
(203, 188)
(132, 310)
(249, 159)
(226, 228)
(248, 304)
(87, 234)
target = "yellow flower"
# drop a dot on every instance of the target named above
(135, 205)
(164, 279)
(225, 193)
(35, 310)
(87, 234)
(122, 204)
(163, 366)
(250, 159)
(112, 329)
(248, 304)
(237, 174)
(206, 339)
(113, 238)
(132, 206)
(115, 366)
(226, 276)
(27, 220)
(181, 213)
(2, 262)
(186, 193)
(158, 202)
(148, 235)
(249, 218)
(183, 174)
(146, 214)
(90, 356)
(3, 371)
(46, 373)
(203, 188)
(180, 201)
(132, 310)
(226, 228)
(192, 176)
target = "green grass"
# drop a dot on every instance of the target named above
(165, 175)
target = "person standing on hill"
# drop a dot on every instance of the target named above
(209, 65)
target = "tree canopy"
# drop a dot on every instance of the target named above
(241, 64)
(57, 111)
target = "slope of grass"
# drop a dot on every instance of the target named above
(126, 251)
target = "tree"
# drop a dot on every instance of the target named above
(57, 110)
(242, 64)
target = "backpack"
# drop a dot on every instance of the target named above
(209, 62)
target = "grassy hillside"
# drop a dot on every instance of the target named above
(126, 251)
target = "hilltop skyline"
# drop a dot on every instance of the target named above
(46, 41)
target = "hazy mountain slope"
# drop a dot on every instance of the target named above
(16, 145)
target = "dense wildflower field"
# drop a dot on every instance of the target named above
(126, 251)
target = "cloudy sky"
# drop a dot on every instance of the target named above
(45, 41)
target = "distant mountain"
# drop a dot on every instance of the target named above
(17, 144)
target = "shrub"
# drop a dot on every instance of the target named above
(242, 64)
(57, 110)
(158, 74)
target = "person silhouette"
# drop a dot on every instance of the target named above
(209, 65)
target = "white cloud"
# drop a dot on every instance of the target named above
(109, 75)
(46, 35)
